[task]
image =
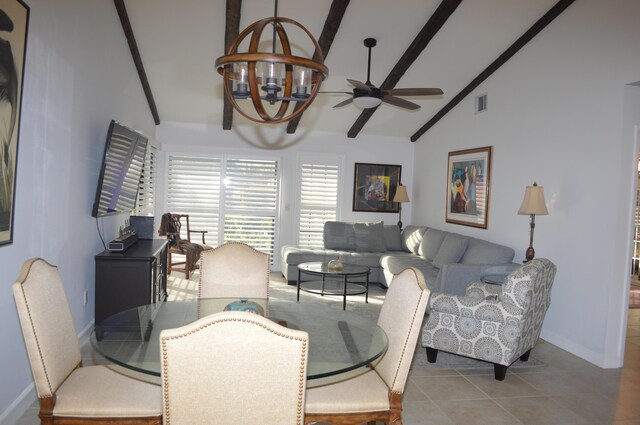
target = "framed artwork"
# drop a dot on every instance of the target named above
(374, 187)
(14, 22)
(468, 183)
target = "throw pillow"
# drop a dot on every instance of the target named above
(392, 238)
(451, 250)
(370, 237)
(339, 235)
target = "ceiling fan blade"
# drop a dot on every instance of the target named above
(415, 92)
(358, 84)
(344, 103)
(396, 101)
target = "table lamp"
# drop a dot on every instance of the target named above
(400, 197)
(533, 204)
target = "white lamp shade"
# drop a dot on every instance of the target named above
(367, 102)
(401, 194)
(533, 202)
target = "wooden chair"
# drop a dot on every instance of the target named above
(171, 227)
(69, 393)
(376, 395)
(234, 270)
(233, 368)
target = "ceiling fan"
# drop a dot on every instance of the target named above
(366, 95)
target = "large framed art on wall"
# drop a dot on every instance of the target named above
(468, 183)
(14, 20)
(374, 187)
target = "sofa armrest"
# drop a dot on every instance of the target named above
(455, 277)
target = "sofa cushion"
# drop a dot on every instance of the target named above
(451, 250)
(392, 237)
(339, 235)
(483, 252)
(368, 259)
(411, 238)
(369, 237)
(294, 255)
(397, 262)
(431, 242)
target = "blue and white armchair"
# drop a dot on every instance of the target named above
(494, 323)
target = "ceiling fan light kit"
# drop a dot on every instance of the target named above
(367, 102)
(270, 78)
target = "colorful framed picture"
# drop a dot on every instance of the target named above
(14, 22)
(468, 183)
(374, 187)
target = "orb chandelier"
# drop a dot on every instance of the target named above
(277, 77)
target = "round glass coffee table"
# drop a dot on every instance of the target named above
(334, 282)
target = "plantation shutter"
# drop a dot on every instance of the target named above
(193, 187)
(250, 203)
(147, 188)
(318, 202)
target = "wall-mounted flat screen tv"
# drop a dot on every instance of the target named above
(121, 170)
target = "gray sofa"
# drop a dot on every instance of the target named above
(449, 261)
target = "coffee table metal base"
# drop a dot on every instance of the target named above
(337, 284)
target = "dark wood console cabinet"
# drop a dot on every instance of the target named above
(132, 278)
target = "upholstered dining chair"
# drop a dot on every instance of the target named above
(376, 395)
(497, 324)
(171, 226)
(69, 393)
(233, 368)
(233, 270)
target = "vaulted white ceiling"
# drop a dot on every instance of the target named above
(180, 40)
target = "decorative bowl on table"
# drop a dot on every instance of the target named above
(335, 265)
(243, 304)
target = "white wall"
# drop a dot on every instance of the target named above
(273, 142)
(79, 75)
(558, 115)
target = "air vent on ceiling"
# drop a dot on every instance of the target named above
(481, 103)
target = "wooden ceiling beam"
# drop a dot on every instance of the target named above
(419, 43)
(137, 60)
(331, 25)
(548, 17)
(231, 33)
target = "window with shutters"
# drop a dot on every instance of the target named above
(147, 188)
(251, 199)
(234, 200)
(193, 187)
(318, 202)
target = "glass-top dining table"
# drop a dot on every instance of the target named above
(339, 341)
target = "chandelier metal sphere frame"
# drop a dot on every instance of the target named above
(258, 75)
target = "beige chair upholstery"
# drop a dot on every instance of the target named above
(494, 323)
(69, 393)
(233, 368)
(377, 393)
(234, 270)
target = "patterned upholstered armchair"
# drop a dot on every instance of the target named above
(498, 324)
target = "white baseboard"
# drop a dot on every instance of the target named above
(578, 350)
(20, 405)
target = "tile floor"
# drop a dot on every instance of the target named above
(565, 391)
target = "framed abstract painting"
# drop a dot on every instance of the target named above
(14, 22)
(374, 187)
(468, 183)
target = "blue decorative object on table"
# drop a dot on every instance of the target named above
(245, 305)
